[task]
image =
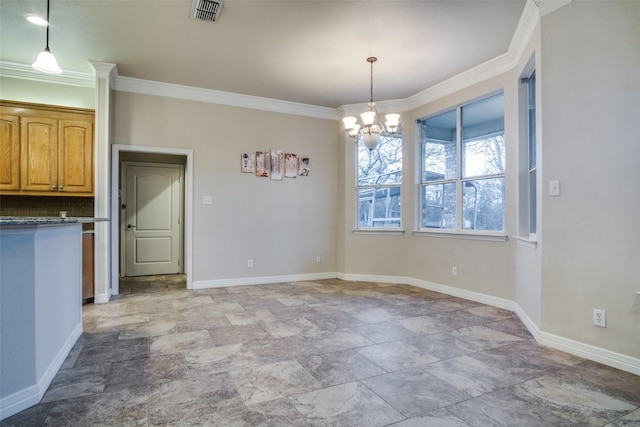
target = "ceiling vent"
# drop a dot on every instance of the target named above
(206, 10)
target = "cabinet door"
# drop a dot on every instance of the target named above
(9, 152)
(75, 159)
(39, 160)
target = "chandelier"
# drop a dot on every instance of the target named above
(46, 62)
(371, 128)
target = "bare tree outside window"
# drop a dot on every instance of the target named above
(479, 148)
(379, 184)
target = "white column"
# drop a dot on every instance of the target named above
(105, 76)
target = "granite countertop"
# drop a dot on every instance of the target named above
(47, 220)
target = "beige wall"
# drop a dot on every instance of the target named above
(591, 122)
(281, 225)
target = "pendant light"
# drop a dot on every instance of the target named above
(371, 127)
(46, 62)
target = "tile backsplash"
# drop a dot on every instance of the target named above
(45, 206)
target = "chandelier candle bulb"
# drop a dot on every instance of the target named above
(368, 117)
(393, 120)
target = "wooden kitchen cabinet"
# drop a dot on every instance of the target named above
(9, 152)
(55, 150)
(39, 154)
(75, 157)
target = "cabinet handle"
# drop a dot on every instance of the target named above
(60, 187)
(54, 186)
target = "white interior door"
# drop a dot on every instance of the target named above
(152, 219)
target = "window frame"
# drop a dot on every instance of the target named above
(460, 179)
(528, 197)
(358, 229)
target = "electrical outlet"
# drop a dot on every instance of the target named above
(599, 318)
(317, 258)
(250, 263)
(206, 200)
(454, 271)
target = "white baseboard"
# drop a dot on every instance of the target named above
(577, 348)
(19, 401)
(444, 289)
(31, 395)
(263, 280)
(588, 351)
(101, 299)
(528, 323)
(373, 278)
(463, 293)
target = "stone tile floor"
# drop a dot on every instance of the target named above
(320, 353)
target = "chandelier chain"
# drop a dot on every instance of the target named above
(371, 81)
(371, 60)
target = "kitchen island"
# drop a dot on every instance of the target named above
(40, 304)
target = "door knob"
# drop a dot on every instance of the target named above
(129, 226)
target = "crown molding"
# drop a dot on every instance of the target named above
(529, 20)
(477, 74)
(105, 70)
(148, 87)
(24, 71)
(548, 6)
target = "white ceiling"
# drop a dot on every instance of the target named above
(306, 51)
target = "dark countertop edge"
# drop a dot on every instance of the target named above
(47, 220)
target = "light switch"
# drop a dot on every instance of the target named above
(554, 188)
(206, 200)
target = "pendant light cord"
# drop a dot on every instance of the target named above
(48, 24)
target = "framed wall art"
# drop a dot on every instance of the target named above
(303, 166)
(262, 163)
(290, 165)
(277, 165)
(248, 163)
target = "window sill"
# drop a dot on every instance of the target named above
(526, 241)
(387, 231)
(462, 235)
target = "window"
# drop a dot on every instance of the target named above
(463, 157)
(529, 198)
(379, 184)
